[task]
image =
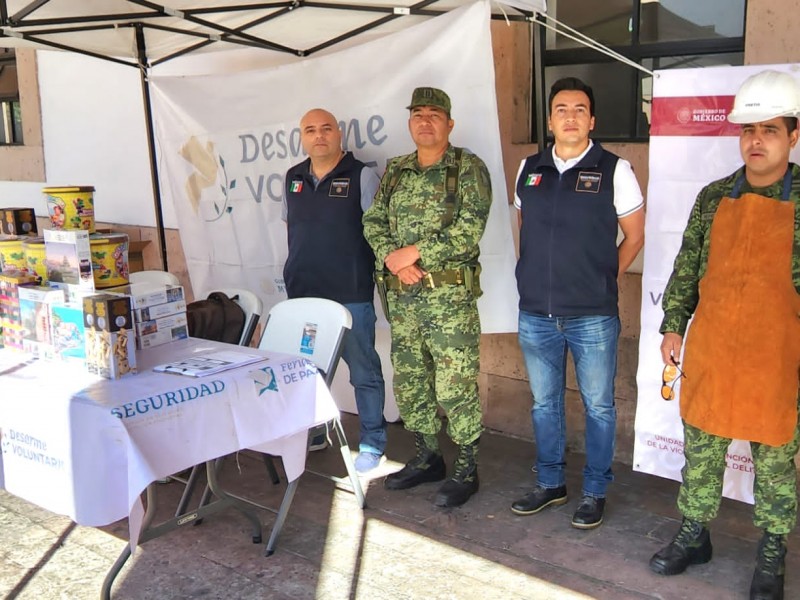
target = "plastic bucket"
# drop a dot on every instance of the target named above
(12, 255)
(35, 257)
(109, 259)
(71, 207)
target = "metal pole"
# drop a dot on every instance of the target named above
(151, 143)
(539, 88)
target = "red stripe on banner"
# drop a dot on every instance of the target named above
(693, 116)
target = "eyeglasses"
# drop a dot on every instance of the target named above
(669, 376)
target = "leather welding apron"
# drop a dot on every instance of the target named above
(743, 347)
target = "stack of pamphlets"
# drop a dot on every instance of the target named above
(209, 364)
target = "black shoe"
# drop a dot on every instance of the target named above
(589, 513)
(464, 482)
(455, 492)
(768, 576)
(691, 546)
(420, 469)
(540, 498)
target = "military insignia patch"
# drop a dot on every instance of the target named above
(296, 186)
(588, 182)
(533, 179)
(340, 187)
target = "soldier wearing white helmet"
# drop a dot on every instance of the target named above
(738, 276)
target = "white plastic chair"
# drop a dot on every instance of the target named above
(287, 323)
(157, 277)
(251, 305)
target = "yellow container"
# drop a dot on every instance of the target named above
(12, 255)
(71, 207)
(35, 257)
(109, 259)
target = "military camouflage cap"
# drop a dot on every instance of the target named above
(428, 96)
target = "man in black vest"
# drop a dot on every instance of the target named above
(571, 197)
(324, 199)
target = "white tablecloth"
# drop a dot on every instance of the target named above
(87, 447)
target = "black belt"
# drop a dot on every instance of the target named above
(428, 281)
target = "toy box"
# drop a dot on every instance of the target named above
(145, 295)
(157, 311)
(162, 336)
(110, 343)
(68, 332)
(69, 264)
(35, 306)
(10, 319)
(161, 331)
(162, 324)
(18, 221)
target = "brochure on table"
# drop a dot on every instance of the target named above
(209, 364)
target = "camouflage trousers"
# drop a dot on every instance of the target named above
(774, 489)
(435, 337)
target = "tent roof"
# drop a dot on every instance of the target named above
(143, 32)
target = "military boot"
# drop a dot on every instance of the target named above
(767, 581)
(427, 465)
(691, 546)
(464, 482)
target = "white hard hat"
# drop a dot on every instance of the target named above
(764, 96)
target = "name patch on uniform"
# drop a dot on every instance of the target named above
(296, 186)
(588, 182)
(340, 187)
(533, 179)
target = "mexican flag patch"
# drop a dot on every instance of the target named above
(533, 179)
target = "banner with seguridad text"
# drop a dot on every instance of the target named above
(691, 144)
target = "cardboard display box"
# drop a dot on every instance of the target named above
(110, 340)
(157, 311)
(18, 221)
(162, 324)
(69, 338)
(163, 336)
(10, 319)
(35, 307)
(69, 262)
(145, 295)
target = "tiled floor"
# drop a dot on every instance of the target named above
(399, 547)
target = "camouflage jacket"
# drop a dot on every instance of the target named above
(681, 294)
(414, 211)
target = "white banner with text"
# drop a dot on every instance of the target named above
(225, 143)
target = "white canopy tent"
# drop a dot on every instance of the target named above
(143, 34)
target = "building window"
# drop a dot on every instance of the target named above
(657, 34)
(10, 114)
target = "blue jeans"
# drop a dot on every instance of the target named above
(593, 344)
(366, 377)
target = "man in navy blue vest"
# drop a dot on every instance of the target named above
(571, 197)
(324, 199)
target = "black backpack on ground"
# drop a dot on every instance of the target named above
(217, 318)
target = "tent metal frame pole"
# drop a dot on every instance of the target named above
(151, 144)
(539, 88)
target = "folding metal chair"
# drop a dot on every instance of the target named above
(311, 328)
(253, 307)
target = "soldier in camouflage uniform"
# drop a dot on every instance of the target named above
(738, 275)
(424, 227)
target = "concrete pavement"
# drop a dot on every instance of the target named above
(400, 547)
